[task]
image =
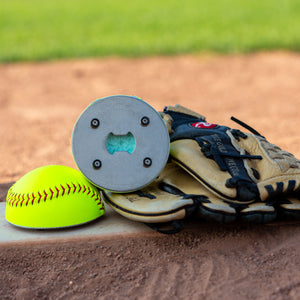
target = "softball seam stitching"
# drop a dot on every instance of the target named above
(15, 199)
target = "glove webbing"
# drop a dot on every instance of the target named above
(210, 150)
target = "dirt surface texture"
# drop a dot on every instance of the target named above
(39, 105)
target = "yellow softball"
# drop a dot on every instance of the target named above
(52, 197)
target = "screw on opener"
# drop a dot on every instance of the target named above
(97, 164)
(145, 121)
(147, 162)
(95, 123)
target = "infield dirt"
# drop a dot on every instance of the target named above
(39, 104)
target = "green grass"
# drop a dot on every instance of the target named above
(50, 29)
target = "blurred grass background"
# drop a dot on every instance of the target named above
(33, 30)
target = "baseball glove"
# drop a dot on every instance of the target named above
(215, 173)
(240, 168)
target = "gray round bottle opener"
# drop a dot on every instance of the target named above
(120, 143)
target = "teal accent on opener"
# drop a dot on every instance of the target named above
(118, 143)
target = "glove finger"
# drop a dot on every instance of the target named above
(174, 195)
(258, 212)
(186, 111)
(217, 210)
(290, 208)
(277, 173)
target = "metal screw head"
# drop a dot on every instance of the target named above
(147, 162)
(145, 121)
(95, 123)
(97, 164)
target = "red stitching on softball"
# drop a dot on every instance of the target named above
(51, 193)
(16, 198)
(23, 199)
(19, 199)
(57, 192)
(40, 197)
(8, 199)
(12, 197)
(69, 188)
(63, 190)
(45, 198)
(100, 202)
(33, 197)
(28, 199)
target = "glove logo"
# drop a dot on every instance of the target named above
(203, 125)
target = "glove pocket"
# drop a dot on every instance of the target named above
(188, 155)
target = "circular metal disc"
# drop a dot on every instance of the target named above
(142, 147)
